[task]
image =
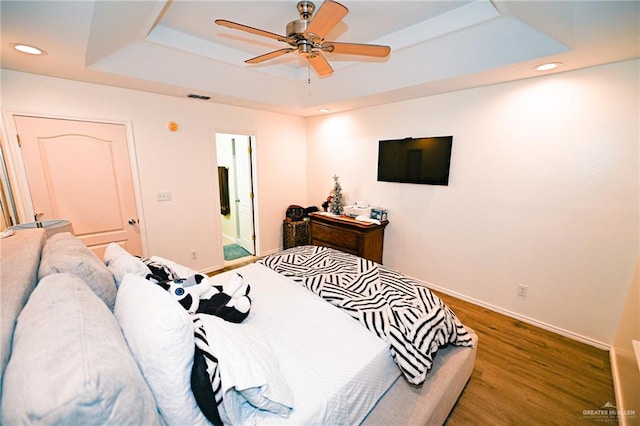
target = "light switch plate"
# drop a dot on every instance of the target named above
(163, 196)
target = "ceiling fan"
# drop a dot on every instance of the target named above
(306, 35)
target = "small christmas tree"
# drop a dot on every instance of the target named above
(336, 205)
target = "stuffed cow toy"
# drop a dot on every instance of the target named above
(196, 294)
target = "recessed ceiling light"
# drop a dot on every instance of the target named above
(548, 67)
(25, 48)
(323, 110)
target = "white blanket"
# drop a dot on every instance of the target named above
(335, 368)
(252, 383)
(413, 320)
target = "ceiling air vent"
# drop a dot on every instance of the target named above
(196, 96)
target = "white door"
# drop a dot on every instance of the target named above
(244, 200)
(81, 171)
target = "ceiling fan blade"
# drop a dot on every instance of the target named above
(325, 19)
(356, 49)
(269, 55)
(320, 64)
(248, 29)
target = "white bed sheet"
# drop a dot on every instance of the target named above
(336, 368)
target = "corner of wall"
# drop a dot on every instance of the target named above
(624, 365)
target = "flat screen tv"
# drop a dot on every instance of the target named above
(415, 160)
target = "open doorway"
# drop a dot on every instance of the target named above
(235, 177)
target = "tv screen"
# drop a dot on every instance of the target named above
(415, 160)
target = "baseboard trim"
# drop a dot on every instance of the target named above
(540, 324)
(270, 252)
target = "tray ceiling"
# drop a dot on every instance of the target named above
(174, 47)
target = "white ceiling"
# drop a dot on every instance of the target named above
(174, 47)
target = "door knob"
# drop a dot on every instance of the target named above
(132, 221)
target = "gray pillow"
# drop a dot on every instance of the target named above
(70, 363)
(66, 253)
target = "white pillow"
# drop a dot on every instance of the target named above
(181, 270)
(120, 262)
(252, 383)
(159, 333)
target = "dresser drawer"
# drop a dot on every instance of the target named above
(346, 234)
(334, 237)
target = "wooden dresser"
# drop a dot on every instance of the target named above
(347, 234)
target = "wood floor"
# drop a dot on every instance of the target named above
(525, 375)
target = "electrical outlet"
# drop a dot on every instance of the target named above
(522, 290)
(194, 254)
(163, 196)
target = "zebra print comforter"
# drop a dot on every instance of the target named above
(408, 316)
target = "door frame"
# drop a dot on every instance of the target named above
(9, 212)
(254, 182)
(17, 172)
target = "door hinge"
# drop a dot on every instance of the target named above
(251, 195)
(18, 139)
(253, 238)
(249, 149)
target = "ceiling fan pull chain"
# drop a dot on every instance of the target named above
(309, 72)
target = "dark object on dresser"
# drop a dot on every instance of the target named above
(294, 212)
(310, 209)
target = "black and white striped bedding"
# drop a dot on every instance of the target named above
(408, 316)
(205, 375)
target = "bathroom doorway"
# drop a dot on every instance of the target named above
(235, 177)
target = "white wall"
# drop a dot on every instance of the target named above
(181, 162)
(543, 191)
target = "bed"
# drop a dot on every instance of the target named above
(323, 365)
(297, 356)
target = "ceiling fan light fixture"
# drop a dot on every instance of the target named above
(548, 66)
(306, 36)
(305, 9)
(304, 46)
(29, 50)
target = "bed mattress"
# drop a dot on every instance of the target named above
(337, 370)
